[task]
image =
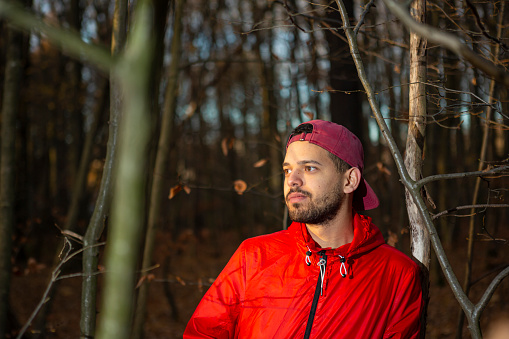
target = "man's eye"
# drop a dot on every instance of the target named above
(310, 168)
(287, 171)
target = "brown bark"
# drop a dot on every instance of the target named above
(10, 104)
(163, 153)
(101, 210)
(420, 241)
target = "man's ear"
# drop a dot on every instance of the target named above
(353, 179)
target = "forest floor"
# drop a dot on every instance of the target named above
(189, 263)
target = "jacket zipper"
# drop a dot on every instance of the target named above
(318, 292)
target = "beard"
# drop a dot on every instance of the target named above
(318, 210)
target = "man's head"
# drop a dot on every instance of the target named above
(344, 150)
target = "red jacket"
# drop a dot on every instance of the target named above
(267, 290)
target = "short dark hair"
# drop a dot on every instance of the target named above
(341, 165)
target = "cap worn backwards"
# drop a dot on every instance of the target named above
(339, 141)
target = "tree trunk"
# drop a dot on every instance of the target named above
(345, 97)
(163, 152)
(133, 72)
(482, 158)
(101, 210)
(86, 156)
(12, 88)
(420, 241)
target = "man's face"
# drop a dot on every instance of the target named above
(313, 187)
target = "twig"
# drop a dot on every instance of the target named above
(414, 190)
(363, 16)
(488, 273)
(479, 307)
(449, 41)
(437, 177)
(55, 276)
(483, 29)
(67, 40)
(438, 215)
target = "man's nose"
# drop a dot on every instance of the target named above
(294, 179)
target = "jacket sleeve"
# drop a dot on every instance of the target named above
(405, 316)
(217, 312)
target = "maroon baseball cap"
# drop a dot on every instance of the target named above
(339, 141)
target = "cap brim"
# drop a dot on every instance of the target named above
(364, 198)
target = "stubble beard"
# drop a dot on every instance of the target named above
(317, 211)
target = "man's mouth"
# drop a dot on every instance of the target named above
(296, 196)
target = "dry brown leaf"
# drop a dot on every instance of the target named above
(382, 168)
(392, 240)
(397, 69)
(180, 280)
(174, 190)
(186, 189)
(200, 285)
(260, 163)
(140, 281)
(310, 115)
(227, 144)
(240, 186)
(304, 106)
(224, 146)
(191, 108)
(33, 266)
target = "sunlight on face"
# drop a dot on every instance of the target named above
(313, 187)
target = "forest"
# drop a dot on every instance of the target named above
(142, 142)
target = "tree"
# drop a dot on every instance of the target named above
(473, 312)
(163, 153)
(10, 104)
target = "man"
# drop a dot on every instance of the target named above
(330, 275)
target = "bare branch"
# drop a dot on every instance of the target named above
(437, 177)
(463, 300)
(489, 293)
(363, 16)
(448, 41)
(481, 26)
(452, 210)
(67, 40)
(55, 276)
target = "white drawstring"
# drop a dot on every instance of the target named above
(322, 263)
(342, 269)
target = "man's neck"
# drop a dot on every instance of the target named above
(335, 233)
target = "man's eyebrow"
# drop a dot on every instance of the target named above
(304, 162)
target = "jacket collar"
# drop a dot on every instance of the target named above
(366, 237)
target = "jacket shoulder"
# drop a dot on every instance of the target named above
(396, 258)
(278, 238)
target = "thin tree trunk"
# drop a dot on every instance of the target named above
(420, 241)
(163, 152)
(101, 210)
(345, 98)
(133, 72)
(482, 158)
(86, 156)
(12, 88)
